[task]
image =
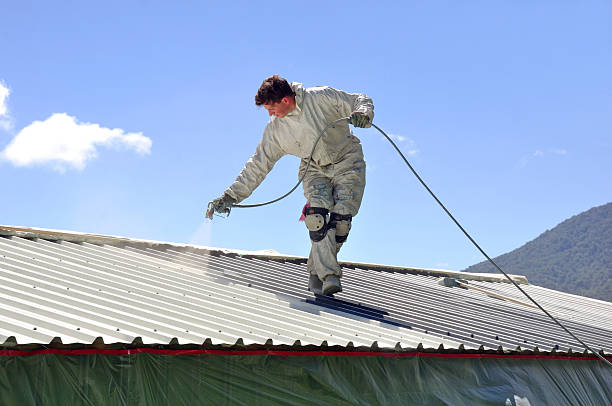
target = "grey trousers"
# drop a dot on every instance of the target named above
(339, 188)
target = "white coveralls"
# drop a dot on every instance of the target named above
(336, 177)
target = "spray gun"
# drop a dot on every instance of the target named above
(219, 206)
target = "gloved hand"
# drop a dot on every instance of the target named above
(222, 204)
(361, 120)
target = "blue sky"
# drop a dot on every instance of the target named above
(126, 118)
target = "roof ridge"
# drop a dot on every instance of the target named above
(74, 236)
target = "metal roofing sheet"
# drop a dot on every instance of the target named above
(81, 291)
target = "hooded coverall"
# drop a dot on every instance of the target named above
(336, 176)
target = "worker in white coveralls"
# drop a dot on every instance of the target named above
(335, 180)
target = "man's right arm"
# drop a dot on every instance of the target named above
(267, 153)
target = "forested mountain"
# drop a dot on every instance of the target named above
(573, 257)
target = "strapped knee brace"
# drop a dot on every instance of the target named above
(316, 222)
(342, 224)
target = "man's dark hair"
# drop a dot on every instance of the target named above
(272, 90)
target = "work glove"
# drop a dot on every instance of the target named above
(222, 204)
(361, 120)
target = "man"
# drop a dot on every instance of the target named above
(335, 180)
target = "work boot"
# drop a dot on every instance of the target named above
(315, 285)
(331, 285)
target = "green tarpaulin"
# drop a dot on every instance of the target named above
(236, 379)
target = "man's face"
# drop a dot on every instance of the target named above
(282, 108)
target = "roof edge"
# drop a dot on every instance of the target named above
(288, 350)
(79, 237)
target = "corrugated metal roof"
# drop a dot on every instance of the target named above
(121, 290)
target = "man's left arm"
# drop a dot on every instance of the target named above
(357, 106)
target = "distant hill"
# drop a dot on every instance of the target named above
(573, 257)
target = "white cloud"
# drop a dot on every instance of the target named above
(412, 150)
(63, 142)
(539, 154)
(4, 94)
(5, 119)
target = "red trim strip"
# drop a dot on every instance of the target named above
(287, 353)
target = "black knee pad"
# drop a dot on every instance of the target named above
(342, 224)
(316, 222)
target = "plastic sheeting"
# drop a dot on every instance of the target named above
(214, 379)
